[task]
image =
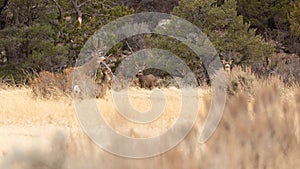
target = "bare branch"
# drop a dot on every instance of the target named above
(83, 3)
(74, 2)
(78, 11)
(95, 14)
(129, 46)
(59, 9)
(104, 4)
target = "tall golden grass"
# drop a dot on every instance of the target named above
(260, 129)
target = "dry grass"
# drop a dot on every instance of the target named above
(18, 107)
(260, 130)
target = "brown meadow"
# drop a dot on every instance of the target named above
(260, 129)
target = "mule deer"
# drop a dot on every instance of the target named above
(84, 74)
(89, 69)
(107, 77)
(146, 81)
(3, 58)
(227, 59)
(227, 65)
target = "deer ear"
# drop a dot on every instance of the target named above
(223, 61)
(136, 66)
(231, 61)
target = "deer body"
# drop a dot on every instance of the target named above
(107, 77)
(89, 69)
(85, 75)
(147, 81)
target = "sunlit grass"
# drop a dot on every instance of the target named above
(260, 128)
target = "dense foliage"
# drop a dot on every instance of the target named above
(225, 28)
(265, 14)
(294, 19)
(38, 35)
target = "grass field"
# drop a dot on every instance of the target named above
(259, 130)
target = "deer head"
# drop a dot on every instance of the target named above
(227, 65)
(140, 69)
(227, 60)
